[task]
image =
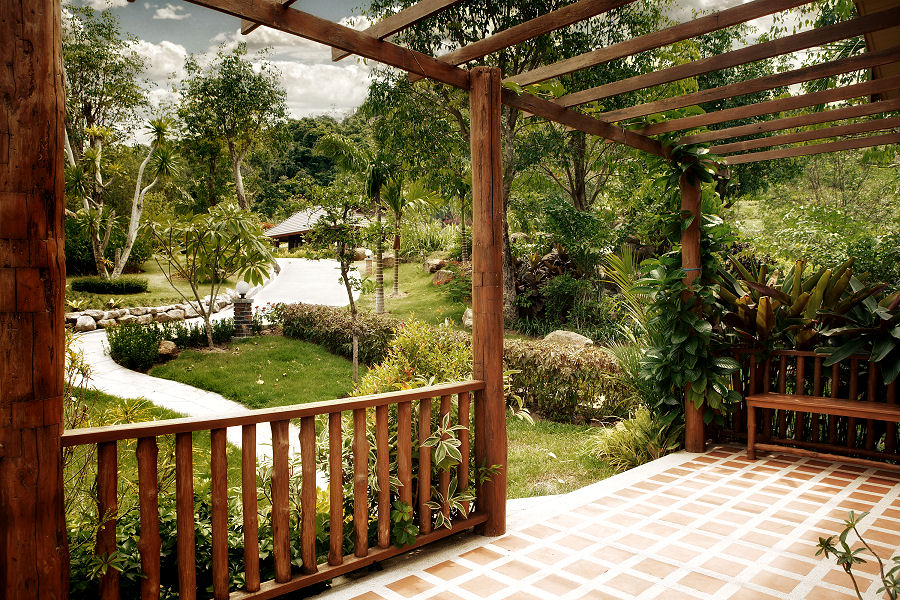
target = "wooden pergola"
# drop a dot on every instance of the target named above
(33, 547)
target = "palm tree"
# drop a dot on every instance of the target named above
(399, 198)
(356, 157)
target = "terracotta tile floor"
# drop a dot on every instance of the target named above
(713, 526)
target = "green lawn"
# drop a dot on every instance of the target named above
(158, 291)
(290, 371)
(420, 299)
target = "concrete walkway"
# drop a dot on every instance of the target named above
(300, 280)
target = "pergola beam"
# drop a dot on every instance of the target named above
(400, 21)
(809, 135)
(825, 116)
(853, 144)
(712, 22)
(557, 19)
(773, 106)
(793, 43)
(760, 84)
(248, 27)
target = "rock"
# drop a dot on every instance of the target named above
(144, 319)
(359, 254)
(113, 315)
(441, 276)
(139, 311)
(162, 317)
(72, 317)
(568, 338)
(467, 318)
(94, 314)
(104, 323)
(190, 311)
(175, 314)
(433, 264)
(387, 260)
(86, 323)
(519, 235)
(167, 350)
(127, 319)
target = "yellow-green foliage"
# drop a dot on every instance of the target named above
(635, 441)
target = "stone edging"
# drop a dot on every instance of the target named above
(89, 320)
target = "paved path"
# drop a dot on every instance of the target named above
(300, 280)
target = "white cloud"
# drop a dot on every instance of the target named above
(171, 12)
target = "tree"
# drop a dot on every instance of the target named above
(233, 102)
(103, 98)
(161, 159)
(398, 198)
(209, 248)
(339, 228)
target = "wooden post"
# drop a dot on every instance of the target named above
(694, 430)
(487, 292)
(33, 548)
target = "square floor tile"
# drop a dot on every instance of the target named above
(410, 586)
(483, 586)
(448, 570)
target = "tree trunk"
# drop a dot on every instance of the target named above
(345, 271)
(379, 258)
(137, 209)
(33, 543)
(464, 253)
(510, 310)
(397, 258)
(578, 149)
(211, 199)
(236, 160)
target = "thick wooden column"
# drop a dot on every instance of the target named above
(487, 292)
(694, 430)
(33, 551)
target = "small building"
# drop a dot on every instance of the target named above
(295, 229)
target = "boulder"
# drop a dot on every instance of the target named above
(113, 314)
(86, 323)
(162, 317)
(387, 260)
(568, 338)
(144, 319)
(139, 311)
(519, 235)
(127, 319)
(72, 317)
(441, 276)
(467, 318)
(104, 323)
(175, 314)
(190, 311)
(94, 314)
(359, 254)
(167, 350)
(433, 264)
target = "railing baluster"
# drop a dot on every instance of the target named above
(835, 390)
(250, 508)
(308, 494)
(800, 390)
(149, 542)
(336, 490)
(382, 474)
(782, 389)
(818, 386)
(404, 451)
(219, 472)
(184, 511)
(767, 387)
(107, 508)
(462, 474)
(890, 439)
(871, 396)
(444, 480)
(853, 394)
(424, 466)
(360, 483)
(281, 548)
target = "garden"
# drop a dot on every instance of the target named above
(612, 340)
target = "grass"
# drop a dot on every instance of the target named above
(547, 458)
(420, 298)
(159, 291)
(291, 372)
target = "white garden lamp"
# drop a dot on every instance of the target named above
(242, 288)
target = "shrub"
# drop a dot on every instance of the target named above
(193, 335)
(459, 288)
(134, 346)
(330, 327)
(420, 355)
(635, 441)
(100, 285)
(565, 383)
(80, 257)
(432, 236)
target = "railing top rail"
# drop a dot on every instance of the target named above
(112, 433)
(803, 353)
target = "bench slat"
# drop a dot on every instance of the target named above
(827, 406)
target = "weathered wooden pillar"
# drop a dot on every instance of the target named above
(694, 430)
(33, 550)
(487, 292)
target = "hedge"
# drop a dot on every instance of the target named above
(101, 285)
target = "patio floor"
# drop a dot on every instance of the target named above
(688, 526)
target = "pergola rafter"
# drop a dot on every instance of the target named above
(851, 144)
(809, 135)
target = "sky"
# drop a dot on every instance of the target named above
(169, 30)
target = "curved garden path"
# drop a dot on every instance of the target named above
(299, 280)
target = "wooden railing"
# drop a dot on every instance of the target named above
(454, 399)
(803, 373)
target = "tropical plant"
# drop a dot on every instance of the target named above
(847, 557)
(399, 198)
(635, 441)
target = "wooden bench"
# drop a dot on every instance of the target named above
(876, 411)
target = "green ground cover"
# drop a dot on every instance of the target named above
(420, 299)
(290, 371)
(158, 292)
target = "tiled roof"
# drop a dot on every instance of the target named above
(299, 222)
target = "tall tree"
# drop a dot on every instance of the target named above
(233, 102)
(399, 198)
